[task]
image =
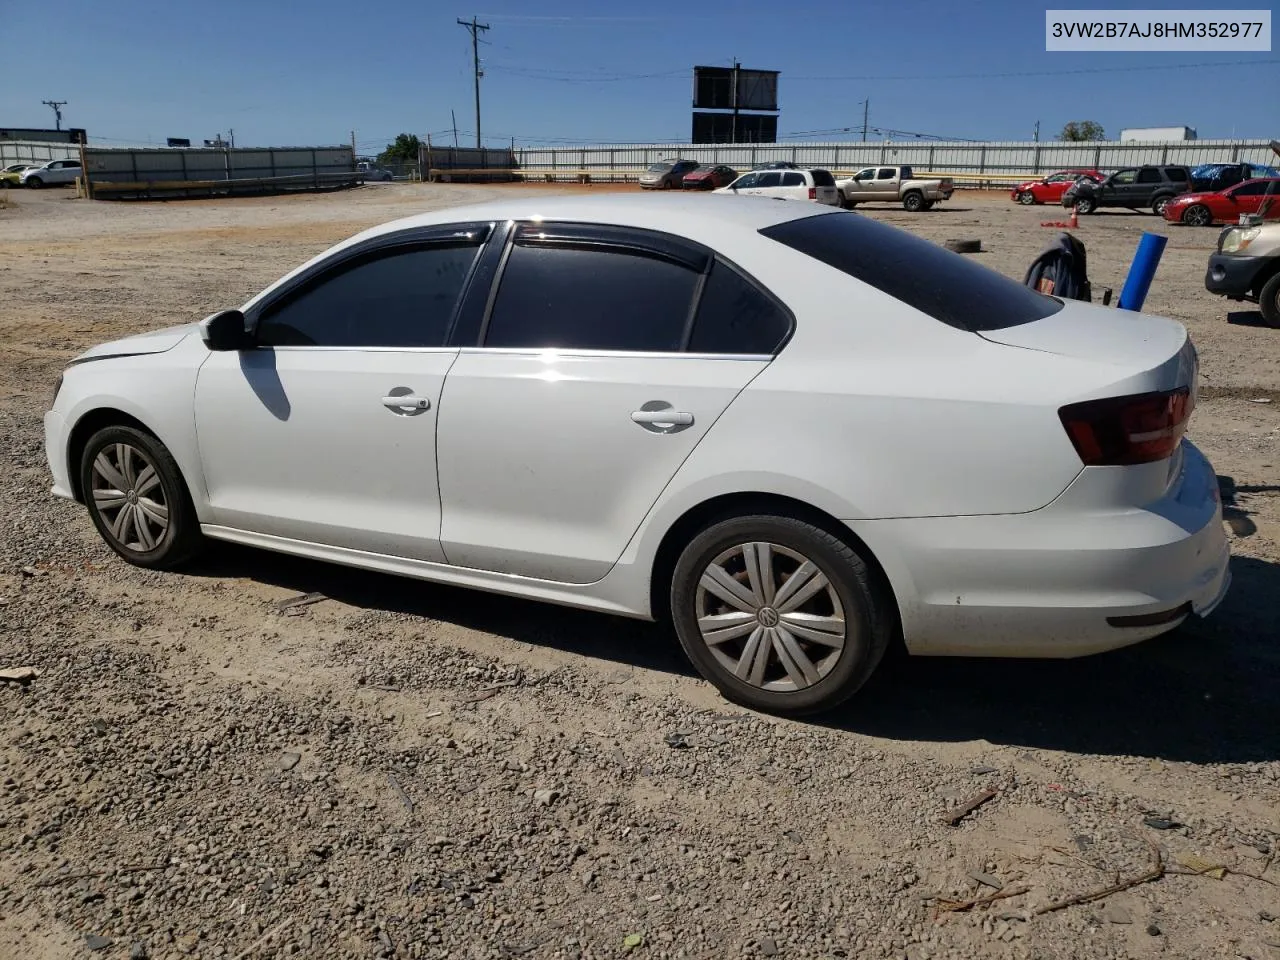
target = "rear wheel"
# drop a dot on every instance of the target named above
(1085, 206)
(137, 498)
(1158, 205)
(1197, 215)
(913, 202)
(1026, 198)
(779, 614)
(1269, 301)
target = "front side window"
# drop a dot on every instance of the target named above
(1124, 177)
(399, 297)
(868, 174)
(660, 168)
(589, 297)
(747, 180)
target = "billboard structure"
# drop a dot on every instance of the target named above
(733, 89)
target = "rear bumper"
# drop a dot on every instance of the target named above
(1047, 583)
(1232, 276)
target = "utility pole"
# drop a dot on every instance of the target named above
(474, 29)
(866, 112)
(231, 132)
(57, 110)
(1037, 134)
(454, 118)
(353, 145)
(737, 74)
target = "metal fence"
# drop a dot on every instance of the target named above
(35, 151)
(117, 173)
(467, 163)
(994, 161)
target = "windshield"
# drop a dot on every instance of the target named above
(919, 273)
(660, 168)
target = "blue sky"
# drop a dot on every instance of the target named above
(310, 71)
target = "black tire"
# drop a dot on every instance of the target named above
(927, 205)
(1158, 205)
(35, 183)
(180, 539)
(1085, 206)
(913, 202)
(1027, 198)
(1269, 301)
(1197, 215)
(866, 614)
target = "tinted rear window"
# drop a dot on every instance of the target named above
(1177, 174)
(921, 274)
(822, 178)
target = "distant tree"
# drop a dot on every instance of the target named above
(1078, 130)
(404, 150)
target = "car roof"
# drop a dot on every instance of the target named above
(691, 216)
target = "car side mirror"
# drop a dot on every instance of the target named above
(225, 331)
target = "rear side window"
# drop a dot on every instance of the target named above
(1177, 174)
(822, 178)
(793, 180)
(921, 274)
(591, 299)
(1148, 175)
(886, 173)
(402, 297)
(769, 180)
(735, 316)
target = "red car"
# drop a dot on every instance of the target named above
(710, 178)
(1051, 188)
(1202, 209)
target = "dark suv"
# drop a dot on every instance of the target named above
(1133, 187)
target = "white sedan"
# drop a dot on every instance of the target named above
(797, 434)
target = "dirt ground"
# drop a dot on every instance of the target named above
(404, 770)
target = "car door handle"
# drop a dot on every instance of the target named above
(673, 417)
(406, 402)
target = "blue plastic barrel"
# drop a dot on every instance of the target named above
(1142, 271)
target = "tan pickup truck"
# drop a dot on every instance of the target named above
(893, 184)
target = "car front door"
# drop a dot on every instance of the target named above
(746, 183)
(769, 184)
(601, 365)
(1117, 190)
(1248, 197)
(324, 431)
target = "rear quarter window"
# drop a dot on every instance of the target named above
(944, 285)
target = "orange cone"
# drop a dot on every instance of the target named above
(1075, 219)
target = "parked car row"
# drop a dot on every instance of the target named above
(786, 180)
(36, 175)
(1198, 196)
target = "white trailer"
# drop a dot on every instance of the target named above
(1157, 134)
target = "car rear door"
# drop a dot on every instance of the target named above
(887, 183)
(592, 379)
(794, 186)
(324, 431)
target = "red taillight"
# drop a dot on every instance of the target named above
(813, 193)
(1122, 431)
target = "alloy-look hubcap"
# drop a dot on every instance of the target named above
(770, 616)
(129, 497)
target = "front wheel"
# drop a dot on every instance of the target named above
(778, 614)
(1085, 206)
(137, 498)
(35, 183)
(913, 202)
(1269, 301)
(1197, 215)
(1026, 198)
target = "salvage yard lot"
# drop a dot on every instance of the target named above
(406, 770)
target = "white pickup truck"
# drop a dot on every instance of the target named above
(893, 184)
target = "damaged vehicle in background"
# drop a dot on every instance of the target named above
(742, 418)
(1133, 188)
(1202, 209)
(1051, 188)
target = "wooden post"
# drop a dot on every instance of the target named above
(425, 174)
(84, 172)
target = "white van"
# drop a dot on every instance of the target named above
(816, 185)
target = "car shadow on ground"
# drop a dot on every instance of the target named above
(1247, 318)
(1207, 693)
